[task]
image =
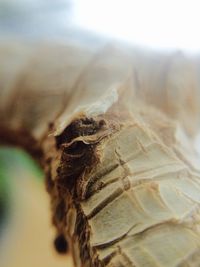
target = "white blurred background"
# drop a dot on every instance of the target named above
(158, 24)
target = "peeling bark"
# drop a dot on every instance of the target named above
(119, 164)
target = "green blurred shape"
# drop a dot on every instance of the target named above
(12, 160)
(4, 189)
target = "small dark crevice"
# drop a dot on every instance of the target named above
(60, 211)
(80, 127)
(108, 258)
(61, 244)
(93, 186)
(49, 182)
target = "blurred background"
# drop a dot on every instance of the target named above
(157, 24)
(26, 234)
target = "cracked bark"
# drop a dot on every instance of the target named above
(124, 186)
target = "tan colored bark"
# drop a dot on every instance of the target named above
(113, 140)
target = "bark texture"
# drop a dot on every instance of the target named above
(112, 129)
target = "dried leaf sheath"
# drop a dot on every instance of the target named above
(123, 190)
(129, 199)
